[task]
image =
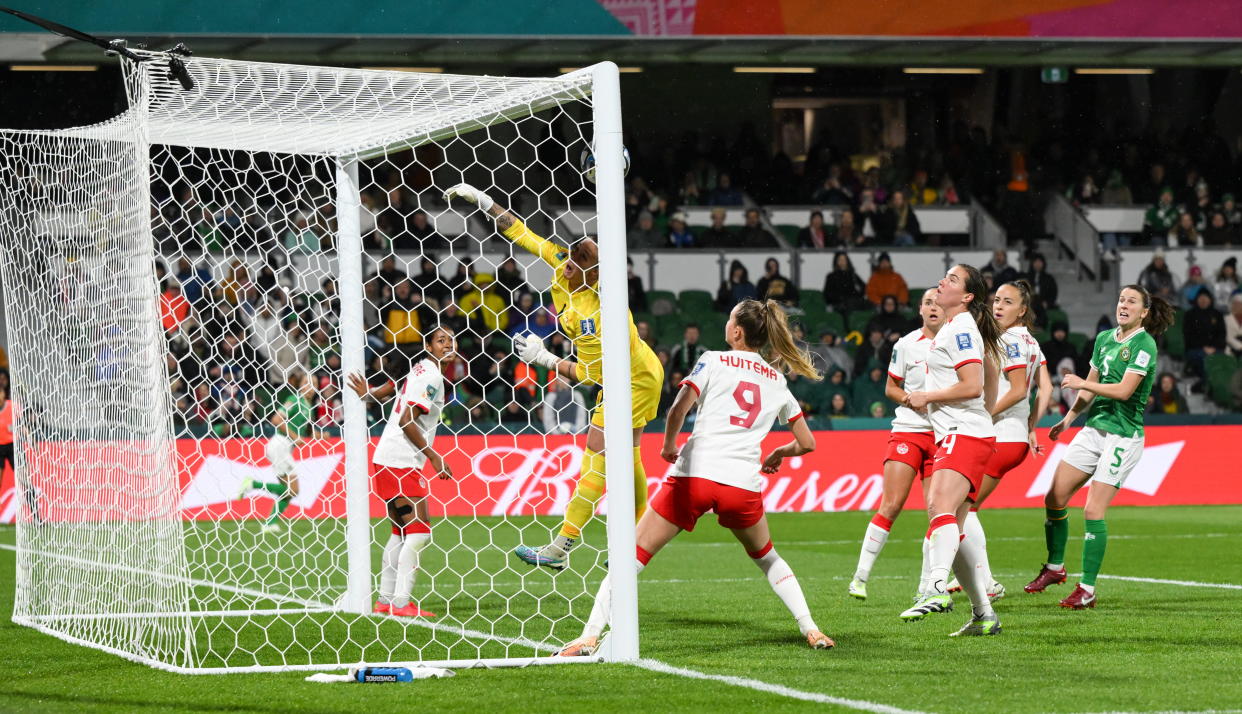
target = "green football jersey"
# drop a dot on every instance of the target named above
(1112, 359)
(298, 414)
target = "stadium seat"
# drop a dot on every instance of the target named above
(695, 301)
(859, 319)
(1077, 339)
(812, 301)
(1220, 368)
(916, 295)
(830, 320)
(661, 302)
(1055, 315)
(1174, 339)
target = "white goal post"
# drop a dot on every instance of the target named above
(178, 275)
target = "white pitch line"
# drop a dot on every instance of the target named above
(777, 689)
(1183, 583)
(1010, 539)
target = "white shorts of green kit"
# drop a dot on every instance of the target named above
(280, 452)
(1109, 457)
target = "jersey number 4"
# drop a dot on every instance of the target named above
(747, 397)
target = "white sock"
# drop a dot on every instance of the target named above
(977, 542)
(407, 564)
(1056, 566)
(786, 587)
(1088, 588)
(873, 543)
(970, 575)
(925, 574)
(388, 568)
(941, 552)
(601, 609)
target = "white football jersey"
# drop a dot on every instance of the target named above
(958, 343)
(908, 367)
(423, 390)
(740, 396)
(1021, 350)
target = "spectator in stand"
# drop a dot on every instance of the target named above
(867, 390)
(889, 319)
(1002, 271)
(774, 286)
(1166, 398)
(419, 235)
(920, 193)
(1184, 233)
(716, 235)
(753, 234)
(871, 182)
(1065, 397)
(833, 192)
(1204, 329)
(947, 195)
(644, 235)
(736, 289)
(1158, 279)
(843, 291)
(886, 281)
(1043, 288)
(1233, 326)
(428, 281)
(1156, 184)
(522, 314)
(690, 194)
(510, 281)
(679, 235)
(388, 273)
(453, 318)
(1116, 192)
(870, 351)
(1201, 206)
(897, 224)
(725, 194)
(1058, 347)
(638, 296)
(686, 353)
(867, 210)
(542, 323)
(848, 231)
(485, 305)
(829, 350)
(1190, 289)
(404, 318)
(1226, 282)
(195, 282)
(1161, 218)
(300, 237)
(813, 235)
(1233, 214)
(1218, 230)
(174, 307)
(838, 406)
(1084, 192)
(644, 333)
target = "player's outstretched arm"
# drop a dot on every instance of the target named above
(505, 222)
(675, 419)
(365, 391)
(409, 427)
(803, 443)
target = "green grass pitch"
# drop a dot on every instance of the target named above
(1147, 647)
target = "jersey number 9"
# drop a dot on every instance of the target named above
(747, 397)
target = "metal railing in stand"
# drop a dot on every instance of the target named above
(1076, 236)
(985, 230)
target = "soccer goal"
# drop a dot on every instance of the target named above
(194, 279)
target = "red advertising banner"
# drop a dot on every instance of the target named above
(535, 475)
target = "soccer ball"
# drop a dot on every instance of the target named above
(587, 162)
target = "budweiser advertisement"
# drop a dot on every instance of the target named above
(535, 475)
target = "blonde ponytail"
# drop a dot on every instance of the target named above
(767, 329)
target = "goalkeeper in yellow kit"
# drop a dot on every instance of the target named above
(575, 293)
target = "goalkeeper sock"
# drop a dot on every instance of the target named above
(388, 571)
(1094, 542)
(587, 493)
(1056, 534)
(785, 584)
(278, 508)
(976, 545)
(640, 485)
(601, 609)
(945, 537)
(873, 543)
(417, 536)
(277, 488)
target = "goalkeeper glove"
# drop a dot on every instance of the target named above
(530, 349)
(471, 194)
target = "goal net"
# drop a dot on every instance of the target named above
(189, 281)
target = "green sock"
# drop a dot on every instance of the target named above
(1056, 534)
(1093, 545)
(276, 489)
(282, 503)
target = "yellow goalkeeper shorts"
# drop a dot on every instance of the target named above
(646, 380)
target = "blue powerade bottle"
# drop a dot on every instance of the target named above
(384, 674)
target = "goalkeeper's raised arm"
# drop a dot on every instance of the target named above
(575, 294)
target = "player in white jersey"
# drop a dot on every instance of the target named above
(1022, 363)
(963, 359)
(405, 446)
(911, 444)
(740, 394)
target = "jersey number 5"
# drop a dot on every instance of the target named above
(747, 397)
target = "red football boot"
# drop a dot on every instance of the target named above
(410, 610)
(1046, 577)
(381, 608)
(1080, 599)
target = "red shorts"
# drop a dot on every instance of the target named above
(913, 448)
(683, 499)
(1008, 456)
(388, 482)
(967, 455)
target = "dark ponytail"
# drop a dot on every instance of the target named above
(1025, 290)
(989, 328)
(1160, 314)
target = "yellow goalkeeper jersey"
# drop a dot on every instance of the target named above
(578, 314)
